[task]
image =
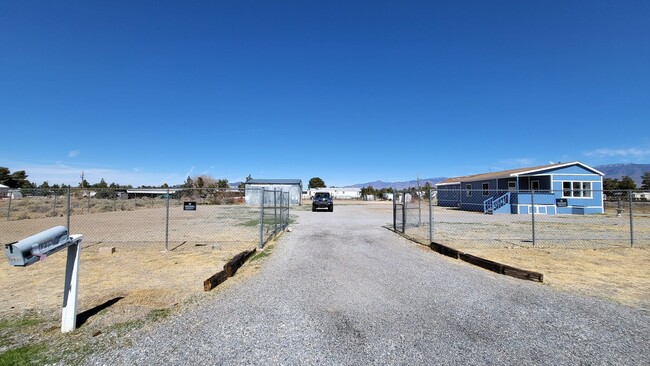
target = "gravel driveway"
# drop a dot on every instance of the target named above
(342, 290)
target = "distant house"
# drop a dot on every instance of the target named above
(641, 196)
(564, 188)
(6, 192)
(254, 190)
(148, 192)
(348, 193)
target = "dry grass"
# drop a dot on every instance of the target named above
(617, 274)
(118, 293)
(135, 275)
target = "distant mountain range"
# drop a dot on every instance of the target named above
(610, 170)
(635, 171)
(378, 184)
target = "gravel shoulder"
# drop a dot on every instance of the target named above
(340, 289)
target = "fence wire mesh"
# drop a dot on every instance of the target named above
(524, 219)
(158, 218)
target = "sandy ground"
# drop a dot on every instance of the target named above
(137, 280)
(618, 274)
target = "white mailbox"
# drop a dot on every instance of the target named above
(36, 247)
(30, 250)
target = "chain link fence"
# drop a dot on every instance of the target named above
(490, 219)
(168, 219)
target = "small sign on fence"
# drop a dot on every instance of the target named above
(189, 206)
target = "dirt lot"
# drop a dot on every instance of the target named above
(617, 274)
(118, 292)
(589, 255)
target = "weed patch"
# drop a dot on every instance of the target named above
(26, 355)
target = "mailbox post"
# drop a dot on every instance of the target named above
(37, 247)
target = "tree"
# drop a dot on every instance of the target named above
(627, 183)
(242, 185)
(645, 181)
(17, 179)
(367, 191)
(316, 182)
(4, 175)
(189, 183)
(610, 184)
(223, 184)
(427, 190)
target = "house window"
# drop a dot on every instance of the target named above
(512, 186)
(586, 189)
(576, 189)
(468, 190)
(534, 185)
(566, 189)
(486, 188)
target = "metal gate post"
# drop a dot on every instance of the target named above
(532, 211)
(261, 245)
(167, 221)
(9, 209)
(289, 206)
(394, 213)
(430, 216)
(629, 194)
(419, 208)
(281, 209)
(404, 214)
(68, 213)
(275, 211)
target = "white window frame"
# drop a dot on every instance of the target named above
(577, 189)
(586, 190)
(565, 189)
(513, 187)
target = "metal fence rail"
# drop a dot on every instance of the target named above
(221, 217)
(526, 219)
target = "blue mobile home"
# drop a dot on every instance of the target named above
(564, 188)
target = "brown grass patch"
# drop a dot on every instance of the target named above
(618, 274)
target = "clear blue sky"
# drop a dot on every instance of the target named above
(147, 92)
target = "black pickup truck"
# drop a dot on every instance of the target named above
(322, 200)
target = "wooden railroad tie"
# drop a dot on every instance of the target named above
(229, 270)
(488, 264)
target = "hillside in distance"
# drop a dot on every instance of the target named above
(378, 184)
(616, 171)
